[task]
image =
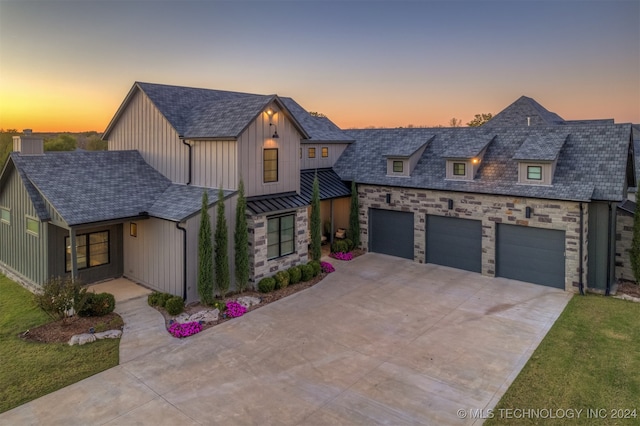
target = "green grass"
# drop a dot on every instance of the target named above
(590, 359)
(30, 370)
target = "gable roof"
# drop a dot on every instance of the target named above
(517, 113)
(204, 113)
(591, 165)
(471, 147)
(541, 147)
(319, 129)
(94, 186)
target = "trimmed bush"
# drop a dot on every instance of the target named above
(295, 274)
(58, 297)
(307, 272)
(174, 305)
(316, 267)
(220, 305)
(154, 298)
(97, 305)
(267, 285)
(339, 246)
(282, 279)
(349, 244)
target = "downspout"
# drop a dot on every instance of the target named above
(581, 282)
(184, 260)
(609, 251)
(190, 160)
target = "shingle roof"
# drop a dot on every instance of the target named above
(411, 142)
(591, 165)
(517, 113)
(94, 186)
(319, 129)
(472, 147)
(330, 184)
(541, 147)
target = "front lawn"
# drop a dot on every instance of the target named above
(589, 360)
(30, 370)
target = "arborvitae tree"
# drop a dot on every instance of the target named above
(635, 243)
(241, 240)
(316, 230)
(221, 249)
(205, 254)
(354, 221)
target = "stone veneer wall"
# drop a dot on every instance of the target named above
(490, 209)
(259, 266)
(624, 236)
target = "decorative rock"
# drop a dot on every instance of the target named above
(81, 339)
(109, 334)
(182, 318)
(204, 316)
(248, 301)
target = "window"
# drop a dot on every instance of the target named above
(325, 151)
(33, 226)
(5, 215)
(91, 250)
(534, 172)
(312, 153)
(280, 235)
(398, 166)
(459, 169)
(270, 165)
(133, 229)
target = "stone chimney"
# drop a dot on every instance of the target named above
(28, 144)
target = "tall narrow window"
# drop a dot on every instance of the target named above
(312, 153)
(398, 166)
(459, 169)
(270, 165)
(33, 226)
(534, 172)
(280, 236)
(325, 151)
(5, 215)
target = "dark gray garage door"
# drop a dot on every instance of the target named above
(391, 232)
(454, 242)
(530, 254)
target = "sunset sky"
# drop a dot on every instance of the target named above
(67, 65)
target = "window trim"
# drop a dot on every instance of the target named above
(87, 238)
(279, 218)
(311, 152)
(464, 169)
(533, 179)
(26, 226)
(264, 165)
(395, 163)
(7, 210)
(324, 152)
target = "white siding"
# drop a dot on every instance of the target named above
(154, 257)
(142, 127)
(215, 163)
(335, 151)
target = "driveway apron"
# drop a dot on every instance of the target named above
(382, 340)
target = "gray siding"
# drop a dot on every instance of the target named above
(335, 151)
(601, 240)
(22, 253)
(142, 127)
(57, 254)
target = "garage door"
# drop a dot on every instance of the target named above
(391, 232)
(530, 254)
(454, 242)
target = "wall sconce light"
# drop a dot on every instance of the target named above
(269, 112)
(450, 204)
(388, 198)
(527, 212)
(275, 134)
(133, 229)
(475, 160)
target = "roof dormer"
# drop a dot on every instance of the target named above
(464, 158)
(537, 158)
(402, 159)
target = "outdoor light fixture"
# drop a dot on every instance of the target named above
(388, 198)
(527, 212)
(275, 133)
(475, 160)
(450, 204)
(269, 112)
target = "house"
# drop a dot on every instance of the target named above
(528, 196)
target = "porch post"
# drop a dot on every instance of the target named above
(74, 254)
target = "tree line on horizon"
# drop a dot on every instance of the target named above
(67, 141)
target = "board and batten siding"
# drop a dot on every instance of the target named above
(154, 257)
(22, 253)
(215, 164)
(335, 151)
(250, 155)
(142, 127)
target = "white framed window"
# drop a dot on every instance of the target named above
(33, 226)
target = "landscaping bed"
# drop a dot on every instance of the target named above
(61, 331)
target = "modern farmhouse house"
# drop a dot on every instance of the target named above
(527, 196)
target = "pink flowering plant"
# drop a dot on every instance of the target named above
(327, 268)
(342, 255)
(185, 330)
(234, 309)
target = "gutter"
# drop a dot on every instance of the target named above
(581, 282)
(190, 159)
(184, 260)
(608, 288)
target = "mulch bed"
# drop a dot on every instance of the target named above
(61, 331)
(628, 288)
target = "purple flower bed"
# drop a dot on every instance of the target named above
(234, 309)
(185, 330)
(342, 255)
(327, 267)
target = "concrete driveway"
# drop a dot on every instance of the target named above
(380, 341)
